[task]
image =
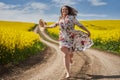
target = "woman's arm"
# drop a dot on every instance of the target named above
(81, 26)
(43, 24)
(51, 26)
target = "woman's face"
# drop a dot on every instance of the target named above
(64, 11)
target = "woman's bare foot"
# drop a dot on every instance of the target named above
(67, 75)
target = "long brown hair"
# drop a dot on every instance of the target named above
(71, 11)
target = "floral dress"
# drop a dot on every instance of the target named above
(75, 40)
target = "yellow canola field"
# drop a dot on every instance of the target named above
(103, 29)
(16, 35)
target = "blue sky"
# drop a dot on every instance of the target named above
(49, 10)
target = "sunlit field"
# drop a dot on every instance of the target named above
(105, 34)
(18, 41)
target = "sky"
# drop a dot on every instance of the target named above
(49, 10)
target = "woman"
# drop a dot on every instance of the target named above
(70, 39)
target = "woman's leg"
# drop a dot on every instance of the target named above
(66, 51)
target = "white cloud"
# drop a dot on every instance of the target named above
(16, 15)
(92, 15)
(97, 2)
(36, 6)
(31, 12)
(7, 6)
(65, 2)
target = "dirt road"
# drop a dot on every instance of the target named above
(90, 64)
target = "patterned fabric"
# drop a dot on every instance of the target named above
(69, 37)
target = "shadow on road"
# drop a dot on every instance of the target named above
(104, 76)
(94, 77)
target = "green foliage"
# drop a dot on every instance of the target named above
(110, 45)
(52, 35)
(20, 54)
